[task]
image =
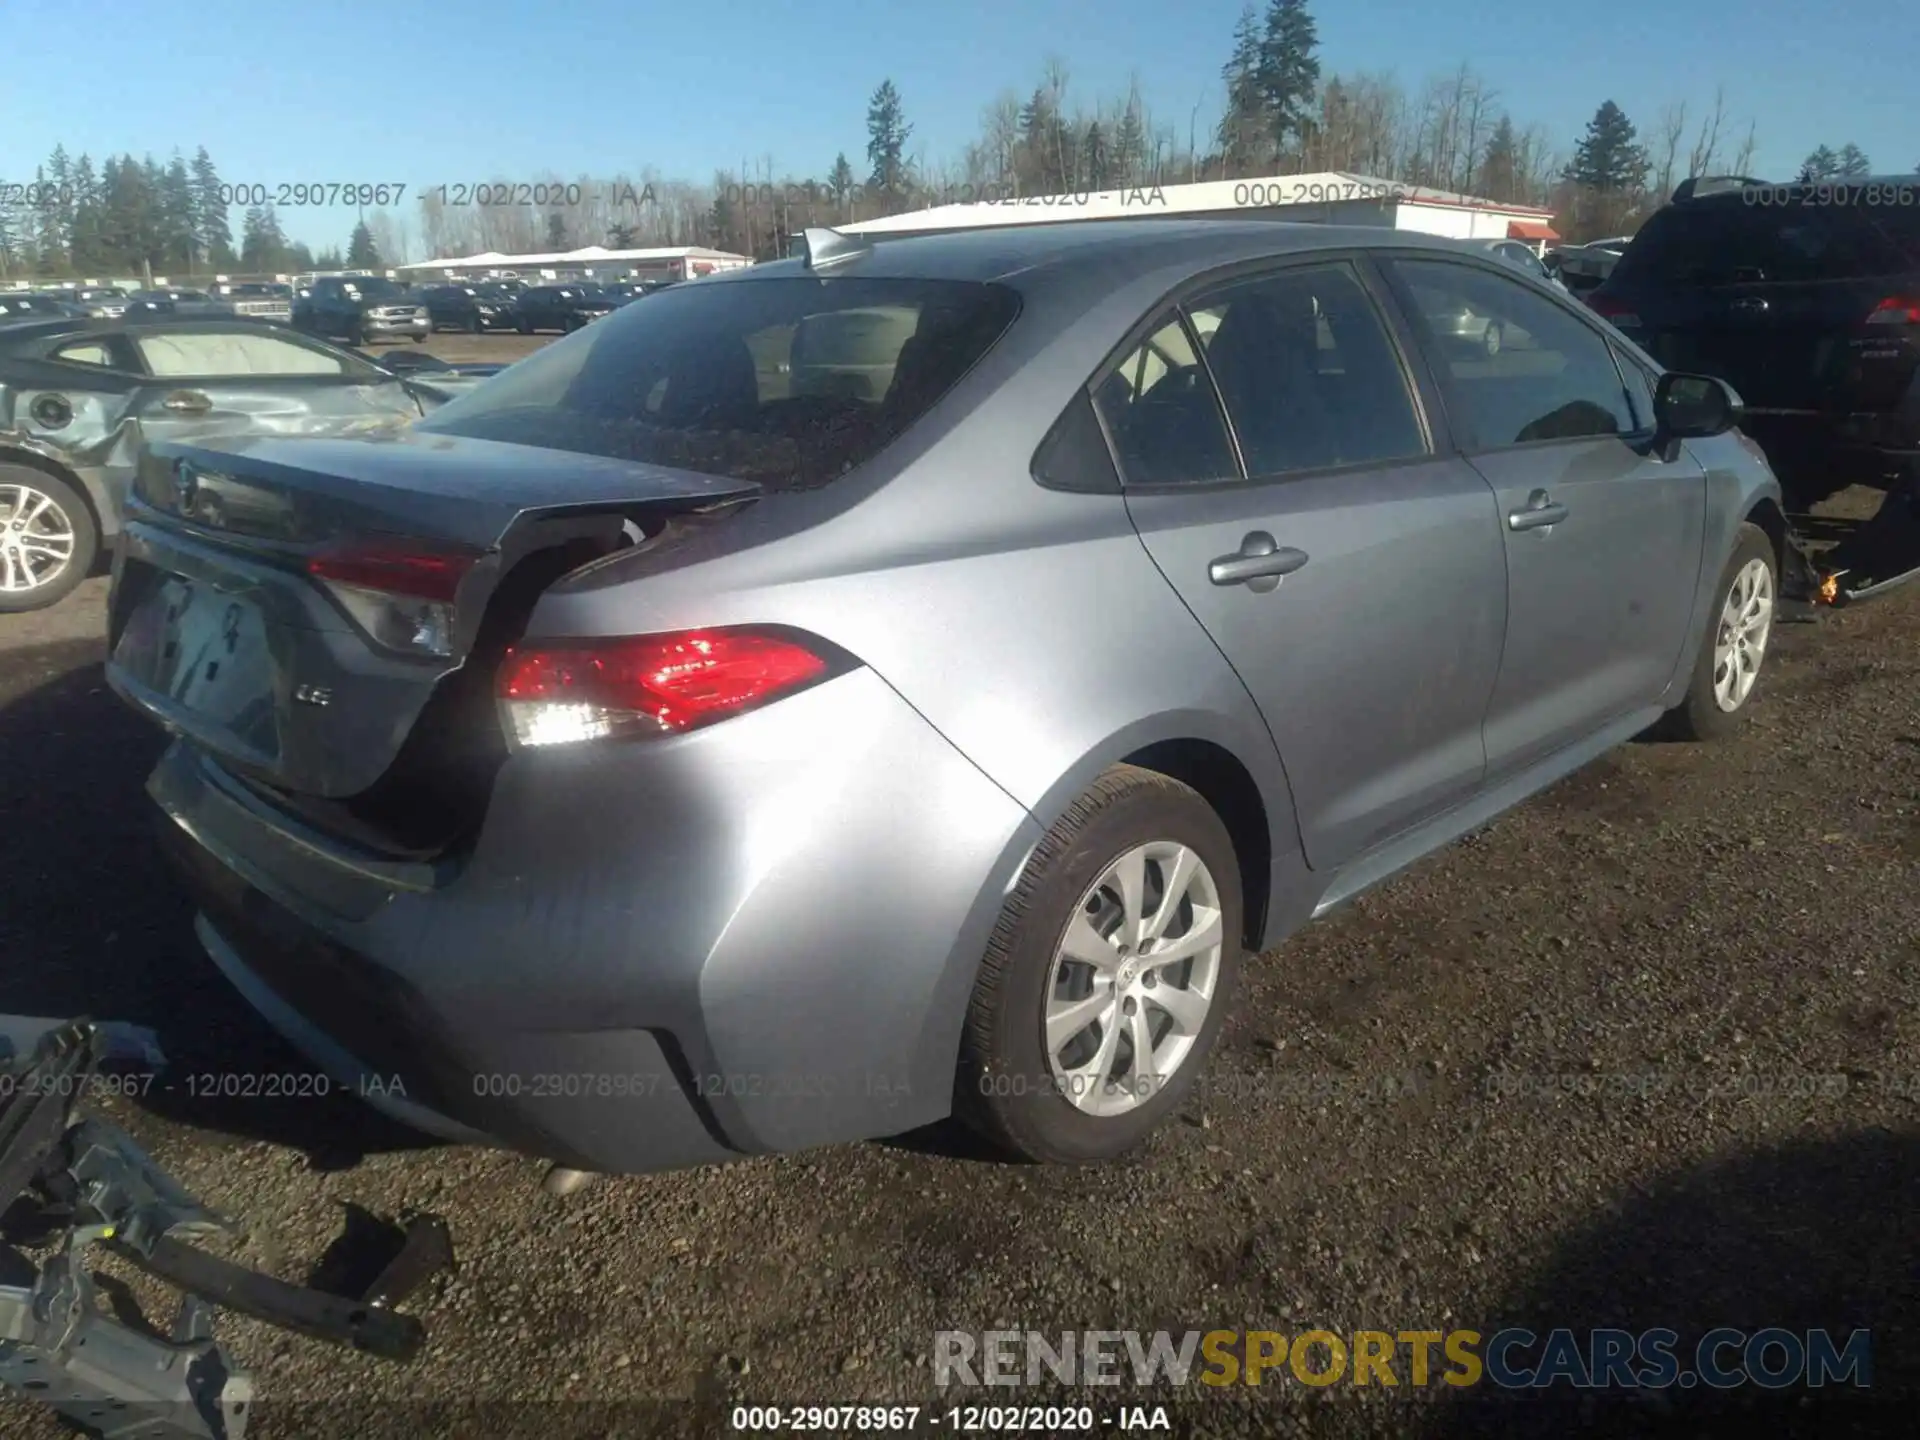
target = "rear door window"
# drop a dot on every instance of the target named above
(789, 382)
(1163, 415)
(1308, 373)
(211, 353)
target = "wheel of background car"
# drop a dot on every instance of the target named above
(356, 333)
(1122, 939)
(47, 539)
(1492, 340)
(479, 323)
(523, 326)
(1734, 649)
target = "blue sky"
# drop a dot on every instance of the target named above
(441, 93)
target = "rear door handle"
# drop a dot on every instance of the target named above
(1259, 564)
(187, 402)
(1542, 511)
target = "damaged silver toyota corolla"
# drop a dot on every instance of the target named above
(908, 676)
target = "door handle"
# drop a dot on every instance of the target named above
(1542, 512)
(187, 402)
(1258, 565)
(1751, 305)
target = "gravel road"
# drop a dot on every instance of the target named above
(1428, 1112)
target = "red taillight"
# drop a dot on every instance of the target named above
(650, 684)
(402, 595)
(395, 569)
(1896, 310)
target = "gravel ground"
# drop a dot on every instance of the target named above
(1740, 920)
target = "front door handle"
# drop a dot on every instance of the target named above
(1258, 565)
(187, 402)
(1542, 512)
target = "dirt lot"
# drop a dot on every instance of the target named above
(1740, 920)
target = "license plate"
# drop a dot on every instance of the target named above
(204, 649)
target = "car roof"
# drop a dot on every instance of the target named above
(121, 325)
(1118, 249)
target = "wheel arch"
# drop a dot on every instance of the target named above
(12, 454)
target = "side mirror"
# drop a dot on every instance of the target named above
(1695, 407)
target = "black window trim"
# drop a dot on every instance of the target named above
(1416, 323)
(1178, 302)
(126, 356)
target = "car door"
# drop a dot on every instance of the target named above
(1281, 470)
(213, 379)
(1603, 536)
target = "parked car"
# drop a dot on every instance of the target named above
(102, 302)
(467, 307)
(257, 299)
(1581, 268)
(1808, 304)
(185, 304)
(360, 309)
(80, 397)
(24, 305)
(558, 307)
(972, 729)
(1520, 255)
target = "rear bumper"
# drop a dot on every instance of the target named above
(764, 940)
(1869, 449)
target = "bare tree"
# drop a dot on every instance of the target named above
(1668, 140)
(1706, 147)
(1743, 157)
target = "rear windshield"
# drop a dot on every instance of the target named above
(1824, 236)
(789, 383)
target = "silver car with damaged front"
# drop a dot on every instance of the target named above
(910, 678)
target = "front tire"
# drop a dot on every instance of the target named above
(1121, 939)
(1727, 673)
(48, 540)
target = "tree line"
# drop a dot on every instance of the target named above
(1280, 115)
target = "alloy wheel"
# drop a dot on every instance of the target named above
(1740, 644)
(36, 539)
(1133, 978)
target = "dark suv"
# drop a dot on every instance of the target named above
(1806, 298)
(362, 308)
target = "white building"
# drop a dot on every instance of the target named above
(672, 262)
(1329, 198)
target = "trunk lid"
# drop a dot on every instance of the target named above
(220, 630)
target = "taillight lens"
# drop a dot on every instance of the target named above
(577, 690)
(1616, 311)
(402, 595)
(1896, 310)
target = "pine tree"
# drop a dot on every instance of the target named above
(840, 180)
(1853, 161)
(212, 228)
(621, 236)
(887, 136)
(89, 234)
(176, 209)
(1822, 164)
(49, 242)
(362, 253)
(1606, 159)
(1038, 165)
(263, 244)
(1096, 161)
(1244, 133)
(1499, 177)
(1130, 145)
(556, 232)
(1289, 72)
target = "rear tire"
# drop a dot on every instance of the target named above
(1732, 653)
(63, 517)
(1079, 1096)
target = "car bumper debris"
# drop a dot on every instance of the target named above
(93, 1186)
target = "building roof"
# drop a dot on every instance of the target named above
(590, 254)
(1203, 197)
